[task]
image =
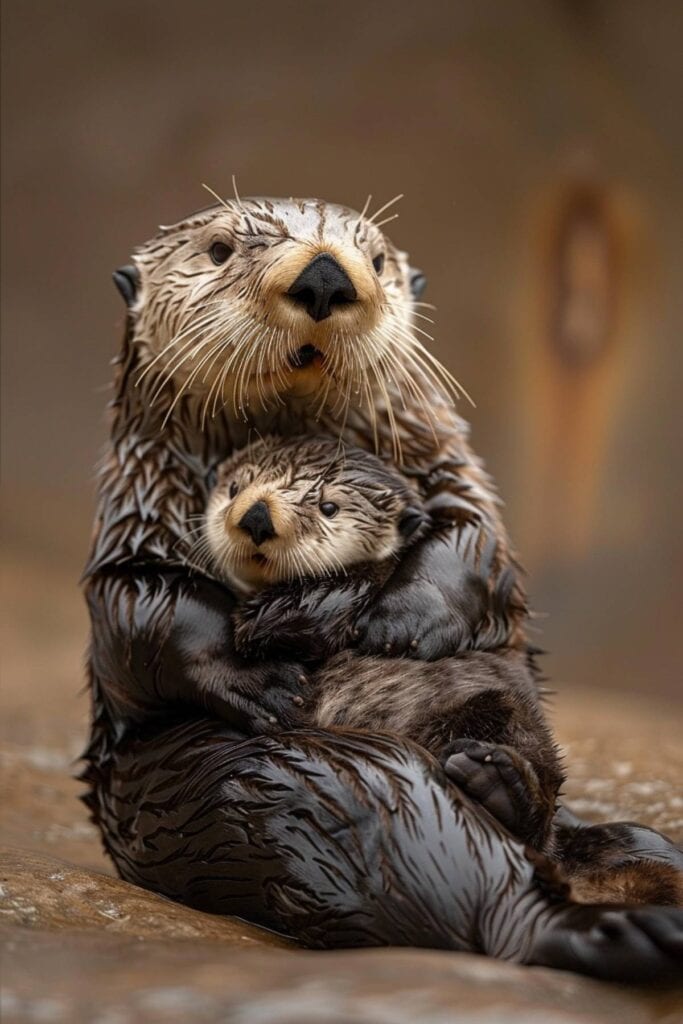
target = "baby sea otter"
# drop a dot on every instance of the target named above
(306, 508)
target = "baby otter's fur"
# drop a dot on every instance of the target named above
(316, 573)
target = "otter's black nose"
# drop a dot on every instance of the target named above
(257, 523)
(322, 285)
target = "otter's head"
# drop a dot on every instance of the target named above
(305, 508)
(254, 302)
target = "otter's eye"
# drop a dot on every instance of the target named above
(329, 509)
(220, 252)
(378, 263)
(233, 489)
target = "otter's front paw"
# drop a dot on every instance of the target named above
(412, 619)
(503, 782)
(262, 698)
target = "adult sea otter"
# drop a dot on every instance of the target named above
(295, 317)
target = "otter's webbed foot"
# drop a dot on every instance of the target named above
(503, 782)
(637, 944)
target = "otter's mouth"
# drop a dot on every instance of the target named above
(259, 559)
(305, 356)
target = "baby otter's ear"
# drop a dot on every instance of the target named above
(127, 280)
(418, 283)
(411, 520)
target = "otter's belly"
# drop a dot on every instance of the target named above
(397, 695)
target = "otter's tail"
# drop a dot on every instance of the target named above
(640, 945)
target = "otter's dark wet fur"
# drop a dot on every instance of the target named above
(294, 829)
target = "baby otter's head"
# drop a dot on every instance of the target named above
(252, 303)
(305, 508)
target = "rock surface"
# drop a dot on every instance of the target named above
(114, 979)
(50, 895)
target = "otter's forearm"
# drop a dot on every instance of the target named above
(470, 552)
(458, 588)
(163, 638)
(307, 619)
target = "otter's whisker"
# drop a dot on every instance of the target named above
(395, 439)
(237, 195)
(216, 389)
(438, 367)
(215, 348)
(422, 402)
(386, 206)
(216, 196)
(190, 329)
(386, 220)
(218, 386)
(373, 414)
(422, 370)
(188, 351)
(359, 222)
(365, 207)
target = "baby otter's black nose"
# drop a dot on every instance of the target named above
(322, 285)
(257, 523)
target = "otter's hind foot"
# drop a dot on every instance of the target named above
(503, 782)
(629, 944)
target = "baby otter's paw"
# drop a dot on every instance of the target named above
(262, 698)
(411, 619)
(503, 782)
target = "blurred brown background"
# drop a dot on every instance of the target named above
(540, 148)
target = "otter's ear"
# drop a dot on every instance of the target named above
(411, 520)
(418, 283)
(127, 280)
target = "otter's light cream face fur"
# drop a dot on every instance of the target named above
(329, 509)
(216, 327)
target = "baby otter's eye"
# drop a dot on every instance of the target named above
(329, 509)
(220, 252)
(378, 263)
(233, 489)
